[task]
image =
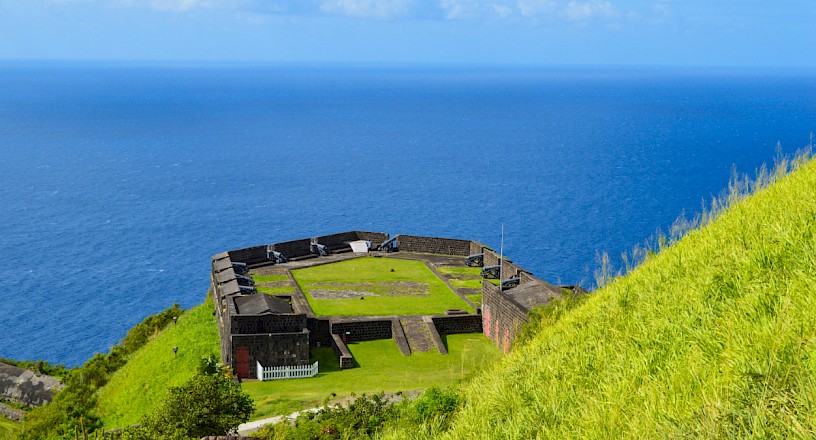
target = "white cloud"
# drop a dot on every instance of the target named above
(380, 9)
(533, 8)
(169, 5)
(584, 10)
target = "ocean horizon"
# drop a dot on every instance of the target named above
(120, 180)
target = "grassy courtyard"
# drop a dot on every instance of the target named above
(372, 286)
(381, 368)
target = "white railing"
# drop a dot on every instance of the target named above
(289, 372)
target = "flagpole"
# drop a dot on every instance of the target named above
(501, 259)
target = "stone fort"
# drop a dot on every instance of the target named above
(279, 330)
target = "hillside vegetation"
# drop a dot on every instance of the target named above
(715, 336)
(136, 388)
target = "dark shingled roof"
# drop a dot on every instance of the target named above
(231, 288)
(223, 264)
(226, 275)
(533, 293)
(261, 304)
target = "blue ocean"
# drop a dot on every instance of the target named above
(119, 181)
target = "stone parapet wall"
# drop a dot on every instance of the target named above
(294, 248)
(374, 237)
(339, 242)
(451, 325)
(502, 317)
(363, 329)
(434, 245)
(250, 255)
(491, 258)
(477, 248)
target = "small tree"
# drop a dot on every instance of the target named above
(207, 404)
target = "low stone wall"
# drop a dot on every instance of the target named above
(249, 255)
(253, 324)
(434, 245)
(342, 352)
(451, 325)
(363, 329)
(25, 387)
(501, 316)
(435, 336)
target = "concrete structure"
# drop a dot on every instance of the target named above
(279, 330)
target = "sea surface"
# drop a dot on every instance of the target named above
(119, 181)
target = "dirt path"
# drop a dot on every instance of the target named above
(253, 426)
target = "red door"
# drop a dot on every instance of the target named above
(242, 361)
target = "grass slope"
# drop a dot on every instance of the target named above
(141, 384)
(377, 270)
(714, 337)
(7, 428)
(381, 368)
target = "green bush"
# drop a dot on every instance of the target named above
(207, 404)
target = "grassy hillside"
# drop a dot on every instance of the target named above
(7, 427)
(714, 336)
(138, 386)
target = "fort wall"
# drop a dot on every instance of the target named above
(502, 317)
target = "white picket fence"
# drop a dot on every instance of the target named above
(292, 372)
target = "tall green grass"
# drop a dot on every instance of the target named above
(141, 383)
(713, 337)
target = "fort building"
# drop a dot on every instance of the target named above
(265, 334)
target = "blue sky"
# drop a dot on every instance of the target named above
(532, 32)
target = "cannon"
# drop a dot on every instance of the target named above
(275, 257)
(240, 268)
(476, 260)
(244, 280)
(510, 283)
(320, 249)
(247, 290)
(390, 245)
(491, 272)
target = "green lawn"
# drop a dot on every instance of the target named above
(138, 386)
(475, 297)
(259, 279)
(381, 368)
(7, 427)
(458, 270)
(280, 290)
(385, 273)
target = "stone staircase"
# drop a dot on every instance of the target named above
(417, 333)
